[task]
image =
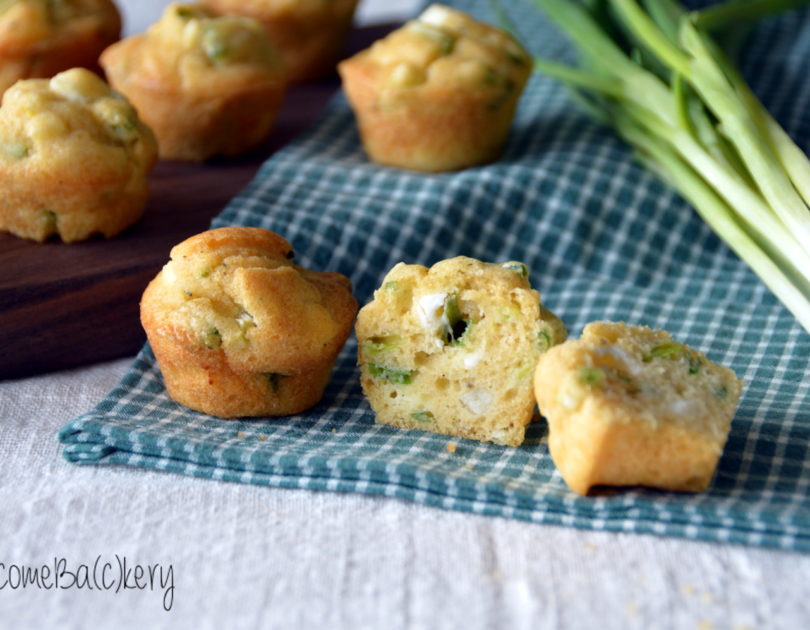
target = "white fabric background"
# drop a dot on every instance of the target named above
(250, 557)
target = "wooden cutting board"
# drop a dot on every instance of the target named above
(63, 306)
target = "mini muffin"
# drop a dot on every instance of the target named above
(206, 85)
(40, 38)
(239, 330)
(74, 158)
(627, 405)
(452, 349)
(309, 33)
(438, 94)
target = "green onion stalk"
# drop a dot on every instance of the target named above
(659, 76)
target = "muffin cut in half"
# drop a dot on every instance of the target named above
(239, 330)
(310, 34)
(40, 38)
(206, 85)
(452, 349)
(438, 94)
(74, 159)
(627, 405)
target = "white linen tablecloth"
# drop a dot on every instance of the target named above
(243, 556)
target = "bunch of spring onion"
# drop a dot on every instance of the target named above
(653, 72)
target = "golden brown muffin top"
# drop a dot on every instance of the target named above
(236, 289)
(27, 23)
(48, 121)
(447, 47)
(191, 46)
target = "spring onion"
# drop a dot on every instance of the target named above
(589, 375)
(16, 150)
(665, 350)
(455, 326)
(273, 380)
(376, 345)
(544, 340)
(212, 339)
(392, 375)
(653, 71)
(422, 416)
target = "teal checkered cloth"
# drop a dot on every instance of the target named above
(604, 240)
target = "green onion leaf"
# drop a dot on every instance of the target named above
(455, 326)
(273, 379)
(215, 45)
(591, 376)
(651, 70)
(544, 340)
(376, 345)
(392, 375)
(518, 267)
(212, 339)
(665, 350)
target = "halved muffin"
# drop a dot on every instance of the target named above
(452, 349)
(628, 405)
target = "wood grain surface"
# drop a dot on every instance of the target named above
(66, 305)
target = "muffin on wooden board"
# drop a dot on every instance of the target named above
(74, 158)
(438, 94)
(206, 85)
(309, 33)
(452, 349)
(239, 330)
(627, 405)
(40, 38)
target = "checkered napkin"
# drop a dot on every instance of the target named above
(603, 239)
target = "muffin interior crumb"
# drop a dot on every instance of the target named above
(452, 348)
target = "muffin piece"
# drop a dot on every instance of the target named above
(206, 85)
(239, 330)
(438, 94)
(627, 405)
(310, 34)
(452, 349)
(40, 38)
(74, 158)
